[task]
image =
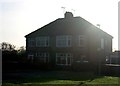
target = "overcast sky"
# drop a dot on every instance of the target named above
(20, 17)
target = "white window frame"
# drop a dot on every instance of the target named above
(64, 55)
(44, 56)
(42, 41)
(81, 38)
(64, 41)
(31, 42)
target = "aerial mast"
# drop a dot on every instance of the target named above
(64, 9)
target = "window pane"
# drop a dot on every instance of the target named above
(63, 41)
(43, 57)
(63, 58)
(68, 60)
(69, 42)
(42, 41)
(58, 60)
(31, 42)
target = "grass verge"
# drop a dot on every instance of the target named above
(61, 78)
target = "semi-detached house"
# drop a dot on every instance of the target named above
(68, 42)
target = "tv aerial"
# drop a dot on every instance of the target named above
(64, 9)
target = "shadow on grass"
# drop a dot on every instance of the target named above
(46, 76)
(49, 76)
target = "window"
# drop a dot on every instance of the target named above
(81, 40)
(31, 42)
(82, 59)
(102, 43)
(42, 41)
(63, 41)
(63, 58)
(43, 57)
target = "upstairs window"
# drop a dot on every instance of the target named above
(81, 40)
(63, 41)
(42, 41)
(31, 42)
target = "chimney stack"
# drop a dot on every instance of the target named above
(68, 15)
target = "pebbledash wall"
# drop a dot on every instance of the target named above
(68, 42)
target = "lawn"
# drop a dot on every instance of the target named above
(60, 78)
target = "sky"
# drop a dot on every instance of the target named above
(20, 17)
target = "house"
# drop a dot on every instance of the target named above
(68, 42)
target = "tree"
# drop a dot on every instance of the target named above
(12, 59)
(8, 52)
(7, 46)
(21, 50)
(22, 54)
